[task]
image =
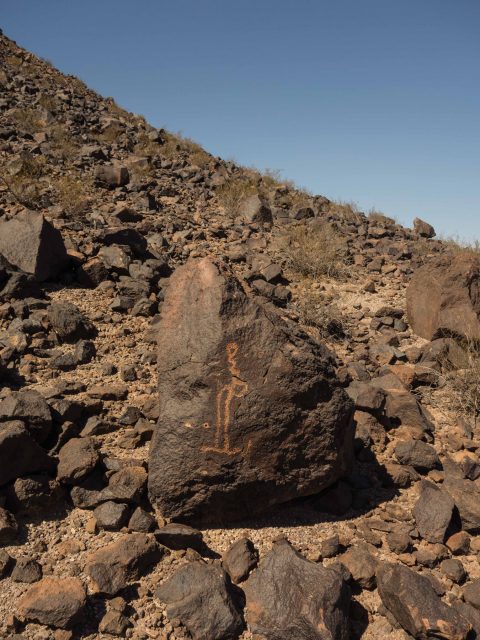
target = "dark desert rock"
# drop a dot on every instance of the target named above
(57, 602)
(111, 515)
(465, 495)
(19, 453)
(423, 228)
(33, 245)
(179, 536)
(69, 323)
(417, 454)
(200, 596)
(433, 512)
(76, 459)
(290, 597)
(240, 559)
(8, 527)
(117, 564)
(250, 411)
(27, 570)
(112, 176)
(412, 601)
(442, 298)
(32, 409)
(362, 565)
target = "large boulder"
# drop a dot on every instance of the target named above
(433, 512)
(32, 244)
(290, 597)
(251, 413)
(443, 298)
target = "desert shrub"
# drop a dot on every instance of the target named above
(72, 193)
(232, 193)
(111, 133)
(48, 102)
(316, 251)
(316, 312)
(346, 211)
(14, 61)
(461, 387)
(29, 120)
(377, 217)
(23, 179)
(63, 143)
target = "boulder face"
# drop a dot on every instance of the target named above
(443, 298)
(32, 244)
(251, 413)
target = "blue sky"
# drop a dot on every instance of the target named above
(375, 101)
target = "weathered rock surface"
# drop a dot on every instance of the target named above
(19, 453)
(412, 600)
(250, 411)
(201, 597)
(57, 602)
(240, 559)
(117, 564)
(33, 245)
(443, 298)
(465, 495)
(433, 512)
(290, 597)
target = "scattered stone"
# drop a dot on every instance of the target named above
(200, 596)
(8, 527)
(123, 561)
(433, 512)
(69, 323)
(289, 597)
(33, 245)
(418, 454)
(179, 536)
(240, 559)
(111, 515)
(57, 602)
(362, 565)
(114, 623)
(76, 460)
(412, 601)
(27, 570)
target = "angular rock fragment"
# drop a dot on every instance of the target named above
(69, 323)
(76, 459)
(433, 512)
(240, 559)
(57, 602)
(117, 564)
(33, 245)
(412, 601)
(290, 597)
(200, 596)
(19, 453)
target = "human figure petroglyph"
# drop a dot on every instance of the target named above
(236, 388)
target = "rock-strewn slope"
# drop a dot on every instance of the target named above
(107, 208)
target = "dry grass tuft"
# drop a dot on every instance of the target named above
(377, 217)
(72, 194)
(316, 251)
(28, 120)
(23, 179)
(326, 318)
(232, 193)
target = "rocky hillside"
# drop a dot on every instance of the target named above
(228, 408)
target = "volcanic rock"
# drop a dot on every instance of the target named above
(412, 601)
(200, 596)
(443, 298)
(250, 411)
(57, 602)
(290, 597)
(33, 245)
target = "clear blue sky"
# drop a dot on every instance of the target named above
(376, 101)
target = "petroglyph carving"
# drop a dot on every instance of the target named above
(235, 388)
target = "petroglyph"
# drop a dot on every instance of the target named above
(235, 388)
